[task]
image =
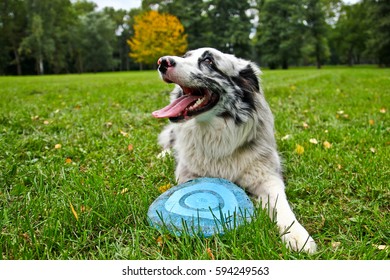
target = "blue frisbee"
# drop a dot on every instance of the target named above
(203, 206)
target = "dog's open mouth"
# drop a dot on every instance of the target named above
(194, 101)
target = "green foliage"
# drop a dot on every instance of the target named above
(106, 167)
(229, 26)
(280, 33)
(222, 24)
(37, 45)
(60, 36)
(96, 38)
(351, 33)
(317, 28)
(47, 36)
(13, 25)
(379, 20)
(191, 16)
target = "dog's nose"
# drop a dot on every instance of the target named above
(164, 63)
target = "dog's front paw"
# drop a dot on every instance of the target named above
(298, 239)
(164, 153)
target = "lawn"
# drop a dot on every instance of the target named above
(79, 167)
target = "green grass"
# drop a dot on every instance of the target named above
(106, 167)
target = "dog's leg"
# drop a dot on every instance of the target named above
(272, 196)
(166, 139)
(183, 174)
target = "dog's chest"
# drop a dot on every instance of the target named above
(212, 149)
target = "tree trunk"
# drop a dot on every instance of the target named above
(284, 64)
(40, 65)
(80, 63)
(318, 58)
(17, 61)
(350, 57)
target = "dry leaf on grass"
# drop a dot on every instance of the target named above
(299, 149)
(327, 145)
(293, 87)
(73, 211)
(160, 241)
(381, 247)
(125, 190)
(26, 237)
(335, 244)
(164, 188)
(124, 134)
(210, 254)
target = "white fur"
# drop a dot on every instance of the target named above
(244, 152)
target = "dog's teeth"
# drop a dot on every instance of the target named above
(197, 103)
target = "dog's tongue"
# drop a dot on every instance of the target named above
(176, 107)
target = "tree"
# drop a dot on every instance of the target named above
(351, 33)
(222, 24)
(96, 42)
(190, 13)
(230, 25)
(379, 22)
(83, 7)
(37, 44)
(122, 33)
(47, 33)
(279, 38)
(156, 35)
(61, 17)
(13, 25)
(317, 31)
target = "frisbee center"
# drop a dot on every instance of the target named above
(205, 200)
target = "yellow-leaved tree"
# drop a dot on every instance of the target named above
(156, 35)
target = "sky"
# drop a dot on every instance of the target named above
(129, 4)
(118, 4)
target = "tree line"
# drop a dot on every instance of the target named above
(58, 36)
(63, 36)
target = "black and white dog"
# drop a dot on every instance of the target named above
(221, 126)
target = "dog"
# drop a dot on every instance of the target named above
(221, 126)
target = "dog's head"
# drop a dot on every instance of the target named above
(209, 84)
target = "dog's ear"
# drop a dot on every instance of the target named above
(249, 78)
(248, 82)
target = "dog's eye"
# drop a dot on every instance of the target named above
(208, 61)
